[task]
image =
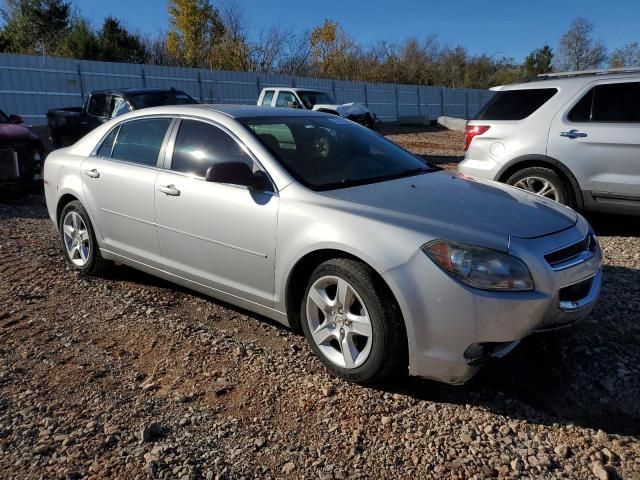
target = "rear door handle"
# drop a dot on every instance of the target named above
(169, 190)
(93, 173)
(573, 134)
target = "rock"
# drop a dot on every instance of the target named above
(609, 455)
(288, 468)
(150, 432)
(488, 429)
(239, 351)
(184, 421)
(505, 429)
(562, 451)
(466, 438)
(385, 420)
(260, 442)
(599, 471)
(327, 390)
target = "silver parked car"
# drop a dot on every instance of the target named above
(573, 137)
(385, 262)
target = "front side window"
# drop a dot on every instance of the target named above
(311, 99)
(119, 107)
(98, 105)
(326, 153)
(286, 99)
(266, 99)
(200, 145)
(515, 104)
(139, 141)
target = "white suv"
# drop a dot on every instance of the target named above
(572, 137)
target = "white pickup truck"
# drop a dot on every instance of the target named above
(317, 101)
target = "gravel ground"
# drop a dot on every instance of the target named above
(127, 376)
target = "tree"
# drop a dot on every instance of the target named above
(330, 48)
(195, 28)
(538, 62)
(81, 41)
(625, 56)
(32, 26)
(577, 50)
(118, 45)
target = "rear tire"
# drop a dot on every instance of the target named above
(78, 239)
(544, 182)
(363, 341)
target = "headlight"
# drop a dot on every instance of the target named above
(480, 267)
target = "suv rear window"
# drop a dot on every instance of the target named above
(619, 102)
(515, 104)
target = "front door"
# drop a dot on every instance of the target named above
(119, 184)
(598, 139)
(222, 236)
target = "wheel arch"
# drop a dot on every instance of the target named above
(526, 161)
(296, 283)
(63, 201)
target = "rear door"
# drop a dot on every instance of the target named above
(219, 235)
(598, 137)
(119, 182)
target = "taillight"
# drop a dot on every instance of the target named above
(471, 132)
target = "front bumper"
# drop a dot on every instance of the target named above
(452, 328)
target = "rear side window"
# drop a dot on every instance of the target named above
(107, 144)
(266, 100)
(139, 141)
(515, 104)
(200, 145)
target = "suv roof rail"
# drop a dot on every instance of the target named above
(578, 73)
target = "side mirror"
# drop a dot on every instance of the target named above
(17, 119)
(238, 173)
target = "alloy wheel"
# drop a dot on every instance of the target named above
(539, 186)
(339, 322)
(76, 238)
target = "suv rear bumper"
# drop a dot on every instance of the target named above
(486, 168)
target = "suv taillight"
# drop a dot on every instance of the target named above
(471, 132)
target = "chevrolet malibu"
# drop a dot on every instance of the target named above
(385, 262)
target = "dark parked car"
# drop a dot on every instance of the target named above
(21, 152)
(66, 125)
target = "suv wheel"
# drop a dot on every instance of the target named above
(353, 323)
(542, 181)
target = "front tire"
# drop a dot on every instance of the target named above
(544, 182)
(353, 323)
(79, 243)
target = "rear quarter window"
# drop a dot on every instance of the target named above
(515, 104)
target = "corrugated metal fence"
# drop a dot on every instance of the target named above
(31, 85)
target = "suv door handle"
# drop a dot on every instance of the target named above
(93, 173)
(573, 134)
(169, 190)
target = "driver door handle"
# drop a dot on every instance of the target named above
(93, 173)
(573, 134)
(169, 190)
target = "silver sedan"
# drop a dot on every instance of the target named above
(387, 264)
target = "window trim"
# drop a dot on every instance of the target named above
(171, 142)
(592, 87)
(163, 146)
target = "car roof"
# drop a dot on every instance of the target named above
(569, 81)
(296, 89)
(137, 91)
(229, 110)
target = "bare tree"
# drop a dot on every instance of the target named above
(577, 50)
(626, 56)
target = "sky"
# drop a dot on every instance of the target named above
(497, 27)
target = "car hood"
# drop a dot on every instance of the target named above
(10, 132)
(448, 198)
(345, 109)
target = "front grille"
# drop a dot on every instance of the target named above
(576, 292)
(566, 255)
(9, 167)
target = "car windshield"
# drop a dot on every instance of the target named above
(326, 153)
(4, 118)
(156, 99)
(310, 99)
